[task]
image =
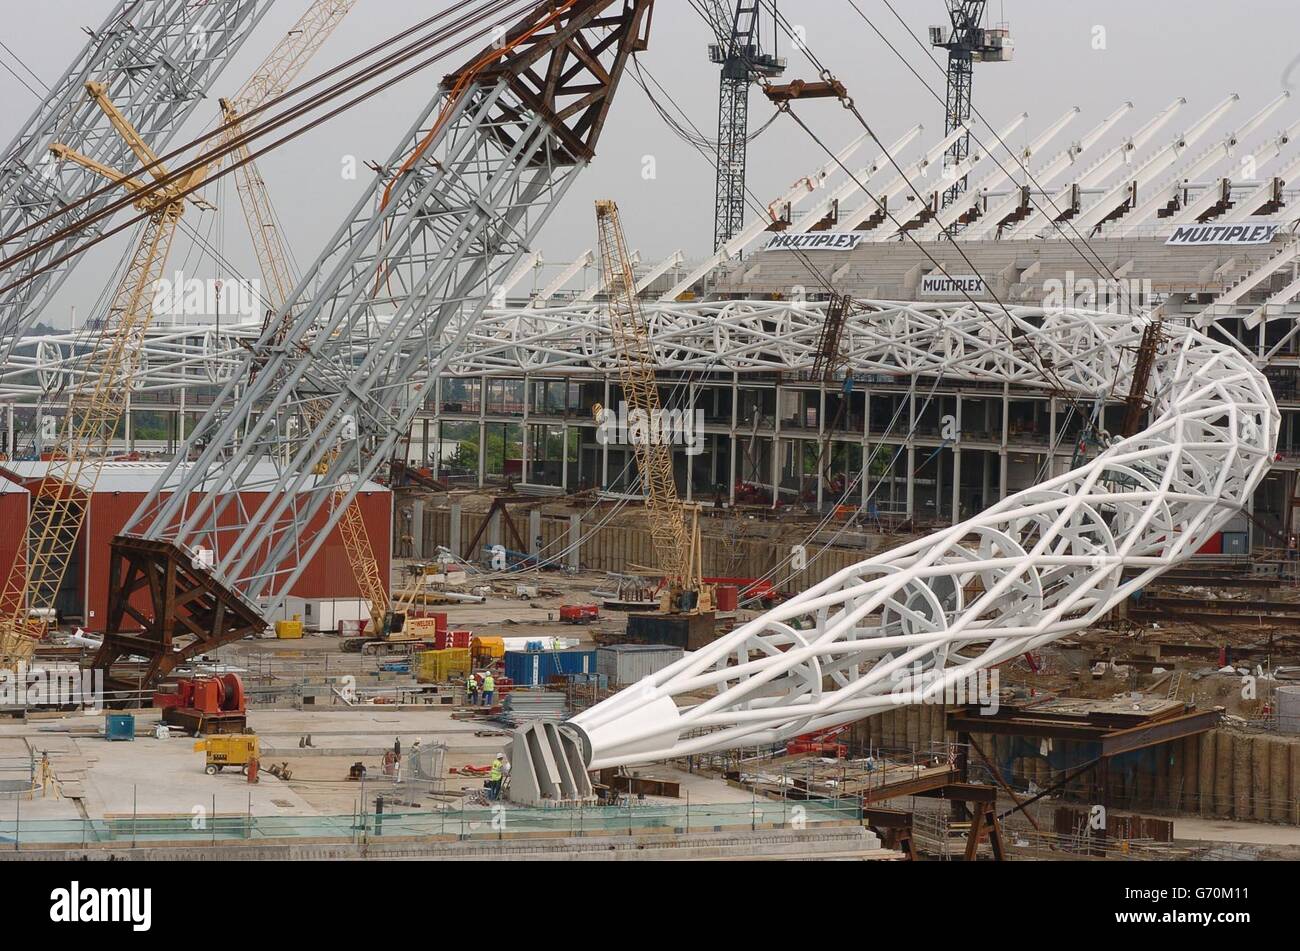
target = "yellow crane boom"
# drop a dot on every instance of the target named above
(676, 548)
(96, 402)
(272, 79)
(279, 70)
(96, 407)
(292, 54)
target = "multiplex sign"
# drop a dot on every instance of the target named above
(939, 284)
(816, 241)
(1203, 235)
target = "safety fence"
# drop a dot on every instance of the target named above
(499, 822)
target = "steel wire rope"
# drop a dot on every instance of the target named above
(848, 104)
(889, 432)
(373, 69)
(208, 157)
(991, 153)
(697, 142)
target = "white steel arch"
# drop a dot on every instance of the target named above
(908, 624)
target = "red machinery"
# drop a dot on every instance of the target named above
(204, 705)
(820, 743)
(751, 589)
(749, 494)
(444, 639)
(579, 613)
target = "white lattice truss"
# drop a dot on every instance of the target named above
(730, 335)
(912, 623)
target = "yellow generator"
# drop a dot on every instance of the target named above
(289, 630)
(236, 749)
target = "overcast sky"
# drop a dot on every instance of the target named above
(1154, 51)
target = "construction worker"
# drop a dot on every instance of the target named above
(489, 688)
(471, 689)
(495, 775)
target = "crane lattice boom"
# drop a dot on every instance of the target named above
(458, 205)
(95, 411)
(279, 70)
(157, 60)
(96, 407)
(631, 336)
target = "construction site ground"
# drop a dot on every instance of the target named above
(320, 742)
(95, 778)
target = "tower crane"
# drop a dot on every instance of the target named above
(96, 408)
(967, 43)
(739, 52)
(676, 548)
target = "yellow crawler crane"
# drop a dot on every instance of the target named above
(677, 547)
(97, 400)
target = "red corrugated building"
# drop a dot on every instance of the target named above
(14, 500)
(122, 486)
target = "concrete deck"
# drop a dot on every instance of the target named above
(152, 777)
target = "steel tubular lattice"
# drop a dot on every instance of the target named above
(157, 60)
(462, 200)
(909, 624)
(1044, 562)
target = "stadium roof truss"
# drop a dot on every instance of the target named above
(1118, 195)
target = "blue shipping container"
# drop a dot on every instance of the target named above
(119, 726)
(536, 668)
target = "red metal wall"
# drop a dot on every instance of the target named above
(328, 576)
(13, 517)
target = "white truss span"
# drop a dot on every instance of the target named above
(910, 623)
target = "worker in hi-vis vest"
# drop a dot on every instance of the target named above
(495, 776)
(471, 689)
(489, 688)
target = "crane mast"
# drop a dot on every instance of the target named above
(739, 52)
(967, 43)
(383, 310)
